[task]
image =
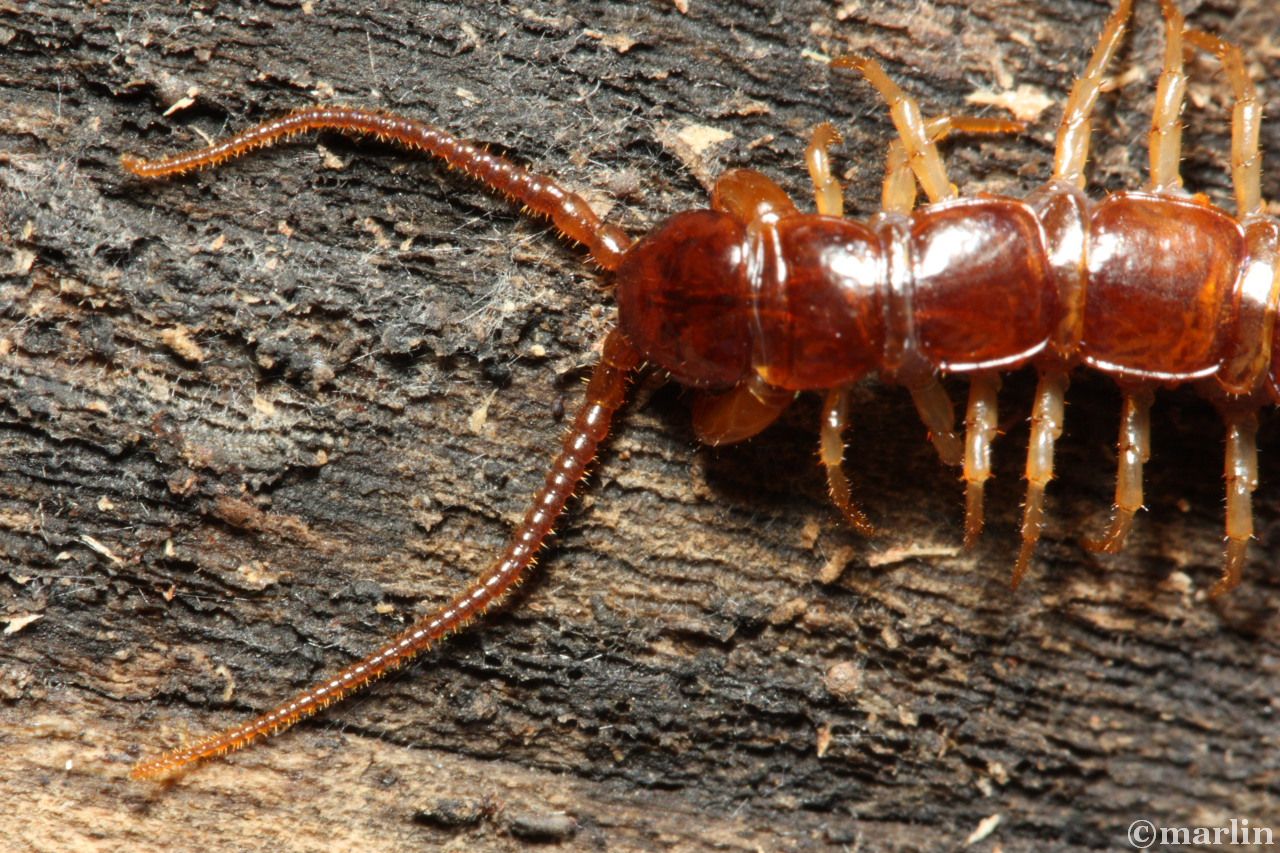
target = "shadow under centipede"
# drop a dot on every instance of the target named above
(900, 483)
(1175, 549)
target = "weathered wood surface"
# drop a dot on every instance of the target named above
(253, 421)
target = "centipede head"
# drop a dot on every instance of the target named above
(684, 300)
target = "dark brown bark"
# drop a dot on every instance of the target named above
(253, 421)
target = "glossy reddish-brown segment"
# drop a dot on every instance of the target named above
(802, 299)
(818, 306)
(1161, 271)
(981, 284)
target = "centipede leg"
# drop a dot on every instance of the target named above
(739, 413)
(1246, 123)
(980, 429)
(1134, 452)
(827, 194)
(939, 416)
(922, 154)
(1046, 428)
(1073, 134)
(1165, 140)
(1242, 479)
(899, 193)
(835, 410)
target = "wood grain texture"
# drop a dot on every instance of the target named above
(253, 421)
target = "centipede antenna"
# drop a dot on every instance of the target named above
(605, 394)
(568, 211)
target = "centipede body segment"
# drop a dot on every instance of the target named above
(751, 301)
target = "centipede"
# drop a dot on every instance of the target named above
(750, 302)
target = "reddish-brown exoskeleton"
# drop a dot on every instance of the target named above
(751, 301)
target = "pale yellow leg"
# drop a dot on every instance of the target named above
(922, 154)
(1246, 123)
(827, 194)
(899, 193)
(1241, 468)
(1242, 479)
(1046, 428)
(1073, 133)
(834, 420)
(1165, 141)
(980, 429)
(939, 417)
(1134, 452)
